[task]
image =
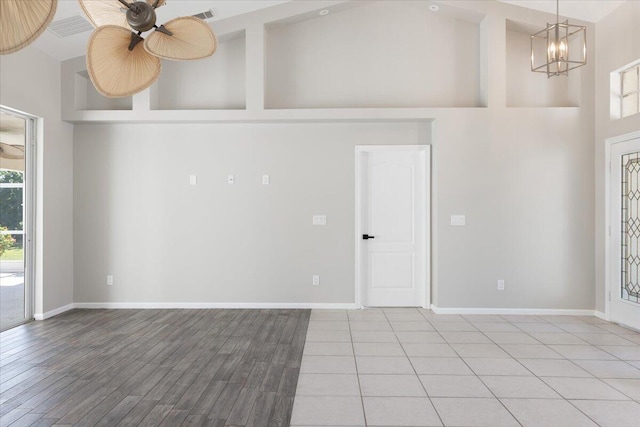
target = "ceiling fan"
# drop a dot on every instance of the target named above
(22, 21)
(120, 62)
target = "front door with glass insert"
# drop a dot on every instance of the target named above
(624, 296)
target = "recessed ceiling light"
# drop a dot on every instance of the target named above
(434, 8)
(323, 12)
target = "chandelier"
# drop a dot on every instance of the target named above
(562, 47)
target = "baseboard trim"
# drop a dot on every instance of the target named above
(54, 312)
(219, 305)
(600, 315)
(295, 305)
(530, 311)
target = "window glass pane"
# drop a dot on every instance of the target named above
(12, 239)
(630, 104)
(630, 81)
(11, 208)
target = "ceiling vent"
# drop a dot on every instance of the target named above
(69, 26)
(207, 14)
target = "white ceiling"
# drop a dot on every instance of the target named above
(74, 46)
(585, 10)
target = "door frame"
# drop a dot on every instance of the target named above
(608, 268)
(32, 132)
(360, 151)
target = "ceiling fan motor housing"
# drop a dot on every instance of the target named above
(141, 16)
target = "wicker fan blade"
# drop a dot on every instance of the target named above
(191, 38)
(104, 12)
(109, 12)
(22, 21)
(115, 70)
(12, 152)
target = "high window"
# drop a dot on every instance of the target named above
(630, 91)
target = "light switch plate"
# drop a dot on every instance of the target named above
(458, 220)
(319, 220)
(193, 180)
(231, 179)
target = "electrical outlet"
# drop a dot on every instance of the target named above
(315, 280)
(265, 179)
(501, 285)
(109, 280)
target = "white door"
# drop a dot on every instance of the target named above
(624, 285)
(392, 225)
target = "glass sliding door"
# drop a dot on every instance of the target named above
(16, 295)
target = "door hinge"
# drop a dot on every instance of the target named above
(609, 166)
(609, 227)
(609, 295)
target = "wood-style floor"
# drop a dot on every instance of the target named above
(153, 367)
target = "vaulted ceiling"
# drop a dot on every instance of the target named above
(75, 45)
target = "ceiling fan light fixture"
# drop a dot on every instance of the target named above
(141, 16)
(562, 47)
(118, 63)
(22, 22)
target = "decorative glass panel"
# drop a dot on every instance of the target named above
(630, 285)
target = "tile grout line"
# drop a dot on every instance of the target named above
(413, 367)
(536, 342)
(474, 372)
(532, 373)
(355, 362)
(573, 361)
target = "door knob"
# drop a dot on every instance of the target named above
(367, 237)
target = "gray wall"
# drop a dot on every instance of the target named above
(619, 29)
(522, 176)
(522, 186)
(523, 179)
(137, 217)
(30, 82)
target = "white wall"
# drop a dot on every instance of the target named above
(137, 217)
(30, 82)
(617, 44)
(217, 82)
(528, 89)
(380, 54)
(522, 176)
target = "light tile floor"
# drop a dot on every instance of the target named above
(411, 367)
